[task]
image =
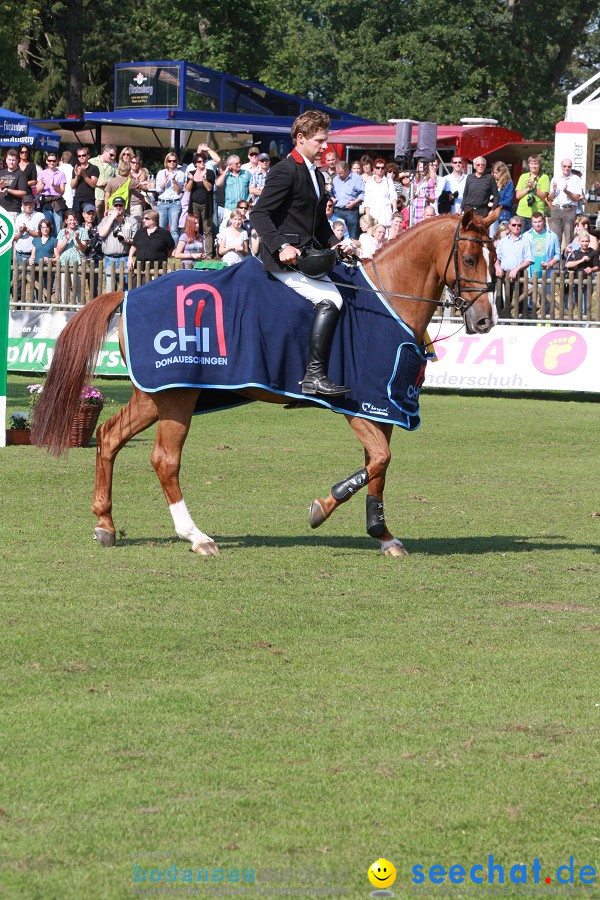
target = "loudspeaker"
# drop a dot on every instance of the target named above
(403, 142)
(426, 141)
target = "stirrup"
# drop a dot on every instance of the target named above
(320, 384)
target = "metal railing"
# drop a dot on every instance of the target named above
(558, 296)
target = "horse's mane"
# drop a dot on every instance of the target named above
(415, 232)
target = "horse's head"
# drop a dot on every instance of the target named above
(469, 273)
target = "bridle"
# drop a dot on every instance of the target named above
(456, 300)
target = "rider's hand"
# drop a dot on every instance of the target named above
(289, 255)
(347, 247)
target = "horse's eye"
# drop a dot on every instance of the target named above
(469, 260)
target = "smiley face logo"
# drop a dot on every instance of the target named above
(382, 873)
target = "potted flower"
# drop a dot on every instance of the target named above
(19, 429)
(84, 423)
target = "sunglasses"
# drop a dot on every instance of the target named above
(243, 207)
(24, 151)
(380, 167)
(457, 162)
(82, 156)
(147, 218)
(171, 160)
(253, 154)
(515, 225)
(51, 160)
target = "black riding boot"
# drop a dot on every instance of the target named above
(315, 380)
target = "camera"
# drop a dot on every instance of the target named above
(530, 200)
(455, 195)
(117, 232)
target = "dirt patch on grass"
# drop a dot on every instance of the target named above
(551, 607)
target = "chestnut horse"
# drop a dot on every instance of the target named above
(411, 271)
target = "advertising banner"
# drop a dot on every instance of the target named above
(516, 358)
(32, 335)
(6, 238)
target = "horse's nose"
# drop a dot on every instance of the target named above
(482, 326)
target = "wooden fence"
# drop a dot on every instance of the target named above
(559, 297)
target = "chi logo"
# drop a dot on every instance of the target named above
(6, 233)
(140, 79)
(190, 334)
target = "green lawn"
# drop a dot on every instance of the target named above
(302, 701)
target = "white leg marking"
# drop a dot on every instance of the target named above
(394, 547)
(187, 530)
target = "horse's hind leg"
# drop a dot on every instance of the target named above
(137, 415)
(375, 438)
(175, 409)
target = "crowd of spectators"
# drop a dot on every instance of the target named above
(109, 207)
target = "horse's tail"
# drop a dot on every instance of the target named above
(73, 362)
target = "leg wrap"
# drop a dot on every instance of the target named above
(375, 516)
(343, 490)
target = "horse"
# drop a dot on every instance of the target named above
(411, 271)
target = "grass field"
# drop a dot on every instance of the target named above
(301, 703)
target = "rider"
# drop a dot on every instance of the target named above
(290, 218)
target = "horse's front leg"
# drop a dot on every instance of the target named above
(175, 409)
(375, 438)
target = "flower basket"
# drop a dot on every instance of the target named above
(18, 436)
(84, 424)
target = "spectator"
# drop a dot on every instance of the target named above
(585, 260)
(118, 186)
(152, 243)
(399, 223)
(66, 168)
(244, 208)
(423, 192)
(481, 193)
(93, 251)
(506, 195)
(380, 196)
(28, 168)
(356, 167)
(565, 193)
(13, 186)
(429, 213)
(366, 242)
(455, 182)
(117, 232)
(27, 227)
(237, 184)
(219, 192)
(503, 230)
(43, 244)
(511, 258)
(331, 216)
(406, 185)
(107, 167)
(366, 162)
(582, 226)
(191, 243)
(72, 241)
(439, 180)
(542, 247)
(392, 170)
(338, 228)
(200, 186)
(328, 170)
(252, 165)
(258, 178)
(85, 178)
(51, 188)
(170, 183)
(531, 192)
(379, 235)
(233, 244)
(349, 191)
(138, 198)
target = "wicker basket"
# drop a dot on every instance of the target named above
(84, 425)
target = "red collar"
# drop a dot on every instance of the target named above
(297, 157)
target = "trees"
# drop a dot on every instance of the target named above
(426, 59)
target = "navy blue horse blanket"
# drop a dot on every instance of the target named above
(240, 327)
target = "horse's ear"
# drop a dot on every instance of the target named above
(491, 217)
(467, 219)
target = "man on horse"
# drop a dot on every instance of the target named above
(291, 221)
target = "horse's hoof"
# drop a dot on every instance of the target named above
(393, 548)
(105, 537)
(205, 548)
(316, 514)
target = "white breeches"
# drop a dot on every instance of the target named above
(313, 289)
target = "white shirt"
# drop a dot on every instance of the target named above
(453, 184)
(573, 184)
(31, 223)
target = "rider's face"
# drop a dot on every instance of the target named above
(313, 146)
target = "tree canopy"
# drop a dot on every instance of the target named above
(440, 60)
